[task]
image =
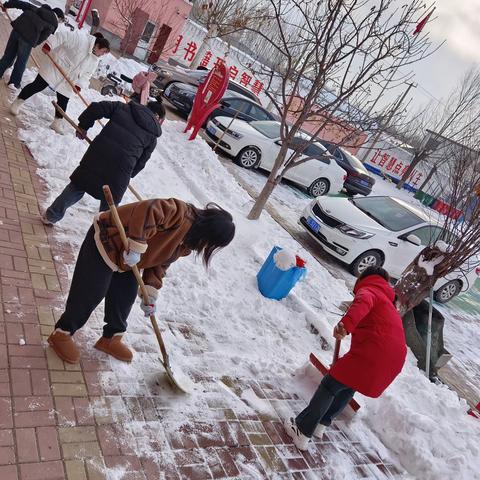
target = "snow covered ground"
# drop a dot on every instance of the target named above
(421, 425)
(461, 314)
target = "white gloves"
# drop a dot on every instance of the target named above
(131, 257)
(150, 308)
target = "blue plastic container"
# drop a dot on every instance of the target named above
(275, 283)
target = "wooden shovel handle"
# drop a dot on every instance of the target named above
(62, 112)
(123, 236)
(336, 351)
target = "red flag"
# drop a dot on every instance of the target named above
(423, 22)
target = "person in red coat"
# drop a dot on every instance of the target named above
(376, 356)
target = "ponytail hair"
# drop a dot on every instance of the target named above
(211, 230)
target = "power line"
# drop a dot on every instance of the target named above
(429, 94)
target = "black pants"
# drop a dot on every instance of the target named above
(93, 280)
(328, 401)
(18, 51)
(38, 85)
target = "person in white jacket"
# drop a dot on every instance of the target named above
(78, 54)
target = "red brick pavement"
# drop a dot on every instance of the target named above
(59, 421)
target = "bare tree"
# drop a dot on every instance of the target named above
(451, 119)
(126, 15)
(331, 53)
(224, 17)
(454, 243)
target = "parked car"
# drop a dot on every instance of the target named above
(181, 95)
(256, 145)
(168, 74)
(384, 231)
(75, 7)
(358, 179)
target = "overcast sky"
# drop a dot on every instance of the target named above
(458, 23)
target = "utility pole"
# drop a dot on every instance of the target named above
(389, 118)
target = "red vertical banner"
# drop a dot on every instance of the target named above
(87, 4)
(79, 13)
(160, 42)
(208, 95)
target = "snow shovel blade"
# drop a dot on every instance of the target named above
(176, 379)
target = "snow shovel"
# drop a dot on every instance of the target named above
(174, 379)
(69, 120)
(72, 85)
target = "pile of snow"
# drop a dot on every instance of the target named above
(235, 331)
(426, 426)
(284, 260)
(429, 265)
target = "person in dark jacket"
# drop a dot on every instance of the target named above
(376, 356)
(118, 153)
(29, 30)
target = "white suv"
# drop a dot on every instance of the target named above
(385, 231)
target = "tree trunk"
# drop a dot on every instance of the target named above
(262, 199)
(429, 177)
(273, 180)
(413, 287)
(212, 32)
(415, 161)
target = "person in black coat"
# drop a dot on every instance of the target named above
(118, 153)
(29, 30)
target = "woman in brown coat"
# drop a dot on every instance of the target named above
(159, 231)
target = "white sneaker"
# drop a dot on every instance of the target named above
(16, 105)
(299, 439)
(319, 431)
(45, 220)
(12, 87)
(57, 126)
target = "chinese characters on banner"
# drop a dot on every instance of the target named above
(391, 165)
(186, 49)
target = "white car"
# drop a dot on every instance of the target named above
(256, 145)
(383, 231)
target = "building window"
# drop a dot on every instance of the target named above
(148, 32)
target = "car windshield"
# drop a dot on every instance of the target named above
(388, 212)
(269, 129)
(354, 161)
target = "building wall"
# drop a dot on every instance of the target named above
(337, 131)
(189, 43)
(171, 12)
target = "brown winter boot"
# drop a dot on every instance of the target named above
(115, 347)
(64, 346)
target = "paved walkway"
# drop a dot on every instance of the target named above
(59, 421)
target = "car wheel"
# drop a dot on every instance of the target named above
(370, 258)
(109, 91)
(446, 292)
(249, 157)
(319, 187)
